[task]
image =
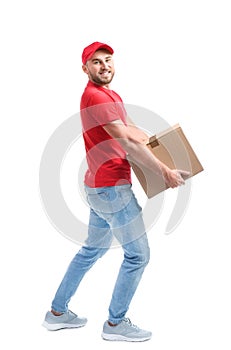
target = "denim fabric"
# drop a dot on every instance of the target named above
(114, 212)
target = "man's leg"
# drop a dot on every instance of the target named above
(128, 227)
(136, 257)
(83, 261)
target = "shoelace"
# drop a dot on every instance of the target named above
(128, 321)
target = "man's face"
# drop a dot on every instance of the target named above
(100, 68)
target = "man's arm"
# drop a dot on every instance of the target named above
(136, 131)
(133, 140)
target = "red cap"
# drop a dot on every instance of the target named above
(89, 51)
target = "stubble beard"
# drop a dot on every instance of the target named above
(101, 81)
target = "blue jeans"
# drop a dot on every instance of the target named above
(114, 213)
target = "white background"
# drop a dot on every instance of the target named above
(172, 57)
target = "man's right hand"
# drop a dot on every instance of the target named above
(174, 178)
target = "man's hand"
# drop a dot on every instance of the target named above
(174, 178)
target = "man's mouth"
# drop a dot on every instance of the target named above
(105, 74)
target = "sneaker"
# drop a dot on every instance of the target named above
(125, 331)
(66, 320)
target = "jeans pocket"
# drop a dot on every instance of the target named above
(99, 202)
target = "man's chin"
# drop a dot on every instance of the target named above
(103, 81)
(106, 80)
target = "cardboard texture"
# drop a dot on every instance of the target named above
(174, 150)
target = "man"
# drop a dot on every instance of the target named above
(110, 140)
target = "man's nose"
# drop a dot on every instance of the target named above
(104, 65)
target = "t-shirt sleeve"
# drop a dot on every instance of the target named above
(103, 110)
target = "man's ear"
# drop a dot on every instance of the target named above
(84, 68)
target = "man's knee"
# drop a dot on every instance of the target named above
(146, 257)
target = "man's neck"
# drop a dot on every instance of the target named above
(105, 86)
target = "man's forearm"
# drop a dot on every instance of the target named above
(139, 153)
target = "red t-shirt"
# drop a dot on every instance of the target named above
(107, 163)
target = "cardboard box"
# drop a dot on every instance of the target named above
(174, 150)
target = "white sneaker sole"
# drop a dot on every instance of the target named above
(118, 337)
(57, 326)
